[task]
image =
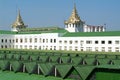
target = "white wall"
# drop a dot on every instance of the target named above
(60, 43)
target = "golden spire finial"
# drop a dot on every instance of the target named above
(74, 18)
(19, 22)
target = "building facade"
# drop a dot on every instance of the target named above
(77, 36)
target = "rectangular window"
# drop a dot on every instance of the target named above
(40, 40)
(60, 41)
(43, 40)
(35, 40)
(88, 48)
(46, 40)
(2, 40)
(54, 40)
(65, 42)
(51, 40)
(65, 47)
(10, 40)
(30, 40)
(70, 42)
(76, 42)
(6, 40)
(25, 40)
(96, 42)
(70, 48)
(21, 40)
(109, 42)
(16, 40)
(117, 42)
(60, 47)
(35, 47)
(96, 49)
(117, 49)
(88, 42)
(102, 42)
(109, 49)
(103, 49)
(76, 48)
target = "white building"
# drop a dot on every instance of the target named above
(77, 36)
(75, 24)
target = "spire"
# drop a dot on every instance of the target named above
(19, 22)
(74, 18)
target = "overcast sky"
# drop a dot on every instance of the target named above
(41, 13)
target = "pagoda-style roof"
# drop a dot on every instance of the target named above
(19, 22)
(74, 18)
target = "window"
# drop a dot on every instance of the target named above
(54, 47)
(5, 46)
(35, 40)
(60, 47)
(70, 48)
(109, 49)
(30, 47)
(25, 46)
(117, 42)
(81, 42)
(102, 42)
(10, 40)
(1, 46)
(43, 40)
(2, 40)
(6, 40)
(88, 48)
(103, 49)
(35, 47)
(51, 40)
(88, 42)
(76, 48)
(117, 49)
(76, 42)
(46, 40)
(65, 42)
(40, 40)
(60, 42)
(30, 40)
(70, 42)
(16, 40)
(21, 40)
(109, 42)
(96, 42)
(96, 49)
(65, 47)
(13, 40)
(54, 40)
(25, 40)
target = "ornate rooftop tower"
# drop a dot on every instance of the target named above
(18, 24)
(74, 23)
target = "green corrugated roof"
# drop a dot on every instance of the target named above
(82, 34)
(63, 69)
(84, 71)
(45, 68)
(16, 65)
(7, 75)
(89, 61)
(30, 66)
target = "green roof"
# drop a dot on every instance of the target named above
(82, 34)
(7, 32)
(7, 75)
(61, 30)
(34, 31)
